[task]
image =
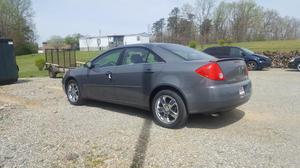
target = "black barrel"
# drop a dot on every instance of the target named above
(8, 66)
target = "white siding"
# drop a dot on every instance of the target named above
(145, 39)
(104, 42)
(130, 40)
(96, 43)
(91, 43)
(136, 39)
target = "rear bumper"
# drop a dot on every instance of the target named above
(219, 98)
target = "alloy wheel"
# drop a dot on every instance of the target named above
(251, 65)
(166, 109)
(73, 92)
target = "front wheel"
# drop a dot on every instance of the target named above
(73, 93)
(169, 109)
(252, 65)
(298, 66)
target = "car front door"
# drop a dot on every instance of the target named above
(101, 76)
(132, 77)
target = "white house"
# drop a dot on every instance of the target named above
(105, 42)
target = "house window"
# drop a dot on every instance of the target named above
(138, 38)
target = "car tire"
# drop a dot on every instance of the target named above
(252, 65)
(51, 73)
(73, 93)
(298, 66)
(169, 109)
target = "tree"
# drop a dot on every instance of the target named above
(56, 42)
(73, 41)
(158, 29)
(205, 29)
(203, 11)
(16, 23)
(236, 21)
(172, 25)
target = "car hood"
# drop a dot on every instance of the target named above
(262, 56)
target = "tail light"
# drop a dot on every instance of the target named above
(246, 71)
(211, 71)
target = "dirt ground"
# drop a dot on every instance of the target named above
(39, 128)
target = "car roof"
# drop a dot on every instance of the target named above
(147, 45)
(216, 47)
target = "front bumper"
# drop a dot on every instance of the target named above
(220, 98)
(292, 65)
(265, 64)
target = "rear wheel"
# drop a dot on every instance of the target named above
(169, 109)
(73, 93)
(252, 65)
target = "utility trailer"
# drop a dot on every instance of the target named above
(59, 61)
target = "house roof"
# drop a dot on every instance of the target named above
(113, 35)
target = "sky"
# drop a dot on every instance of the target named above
(94, 17)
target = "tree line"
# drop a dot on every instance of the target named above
(204, 22)
(70, 41)
(16, 22)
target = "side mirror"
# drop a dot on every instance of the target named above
(89, 65)
(243, 54)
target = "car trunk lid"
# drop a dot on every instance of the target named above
(234, 70)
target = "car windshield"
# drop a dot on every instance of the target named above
(186, 53)
(248, 51)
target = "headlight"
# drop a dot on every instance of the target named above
(292, 60)
(262, 60)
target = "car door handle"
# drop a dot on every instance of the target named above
(149, 70)
(109, 75)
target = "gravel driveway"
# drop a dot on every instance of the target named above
(39, 128)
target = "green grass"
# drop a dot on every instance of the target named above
(258, 46)
(27, 66)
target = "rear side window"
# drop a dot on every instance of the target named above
(152, 58)
(185, 53)
(210, 51)
(222, 52)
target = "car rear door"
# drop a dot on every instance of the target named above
(223, 52)
(100, 78)
(132, 77)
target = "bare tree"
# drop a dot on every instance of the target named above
(203, 10)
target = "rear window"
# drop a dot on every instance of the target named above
(186, 53)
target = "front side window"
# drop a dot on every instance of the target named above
(236, 52)
(108, 59)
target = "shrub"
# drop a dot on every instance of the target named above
(229, 41)
(221, 42)
(193, 44)
(40, 63)
(26, 48)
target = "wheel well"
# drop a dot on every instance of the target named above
(160, 88)
(67, 81)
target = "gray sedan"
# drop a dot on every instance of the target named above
(173, 81)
